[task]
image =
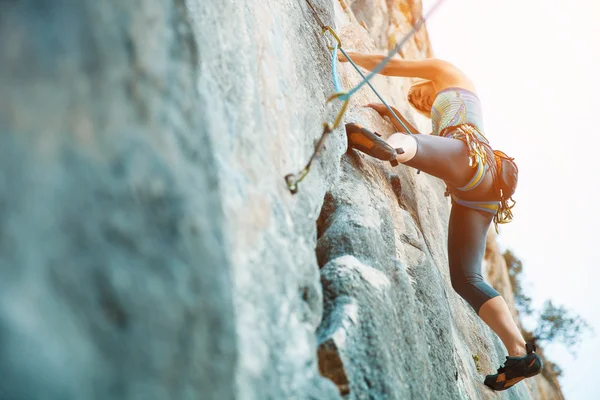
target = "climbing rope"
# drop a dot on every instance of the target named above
(293, 180)
(334, 61)
(374, 91)
(396, 49)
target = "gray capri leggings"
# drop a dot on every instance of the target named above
(447, 159)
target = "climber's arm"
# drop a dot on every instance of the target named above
(384, 112)
(432, 69)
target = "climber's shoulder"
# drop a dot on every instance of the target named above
(449, 75)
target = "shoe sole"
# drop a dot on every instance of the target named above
(369, 143)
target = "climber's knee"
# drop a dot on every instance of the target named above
(408, 144)
(468, 292)
(461, 287)
(474, 290)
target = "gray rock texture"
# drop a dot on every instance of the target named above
(149, 245)
(115, 279)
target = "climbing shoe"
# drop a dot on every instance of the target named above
(516, 369)
(370, 143)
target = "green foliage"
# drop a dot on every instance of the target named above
(551, 370)
(556, 369)
(476, 360)
(515, 267)
(556, 323)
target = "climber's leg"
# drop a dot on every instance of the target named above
(467, 232)
(444, 158)
(406, 146)
(497, 316)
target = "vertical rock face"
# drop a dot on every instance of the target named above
(114, 273)
(149, 245)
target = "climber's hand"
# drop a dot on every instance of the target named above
(341, 57)
(384, 112)
(380, 108)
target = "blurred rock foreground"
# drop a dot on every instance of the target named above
(149, 247)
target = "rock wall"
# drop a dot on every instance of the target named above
(149, 246)
(114, 268)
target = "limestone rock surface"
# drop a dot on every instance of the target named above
(149, 245)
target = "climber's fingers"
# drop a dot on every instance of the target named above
(379, 107)
(341, 57)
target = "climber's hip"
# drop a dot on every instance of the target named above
(448, 159)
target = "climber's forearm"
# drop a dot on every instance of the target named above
(431, 68)
(365, 60)
(385, 112)
(398, 125)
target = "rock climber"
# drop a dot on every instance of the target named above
(458, 153)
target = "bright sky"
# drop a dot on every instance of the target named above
(536, 66)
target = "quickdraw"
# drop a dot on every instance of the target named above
(293, 180)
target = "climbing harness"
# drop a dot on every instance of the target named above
(487, 206)
(504, 170)
(507, 174)
(475, 142)
(293, 180)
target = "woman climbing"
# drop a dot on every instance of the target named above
(459, 154)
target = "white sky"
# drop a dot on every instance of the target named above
(536, 66)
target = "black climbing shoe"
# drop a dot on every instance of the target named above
(370, 143)
(516, 369)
